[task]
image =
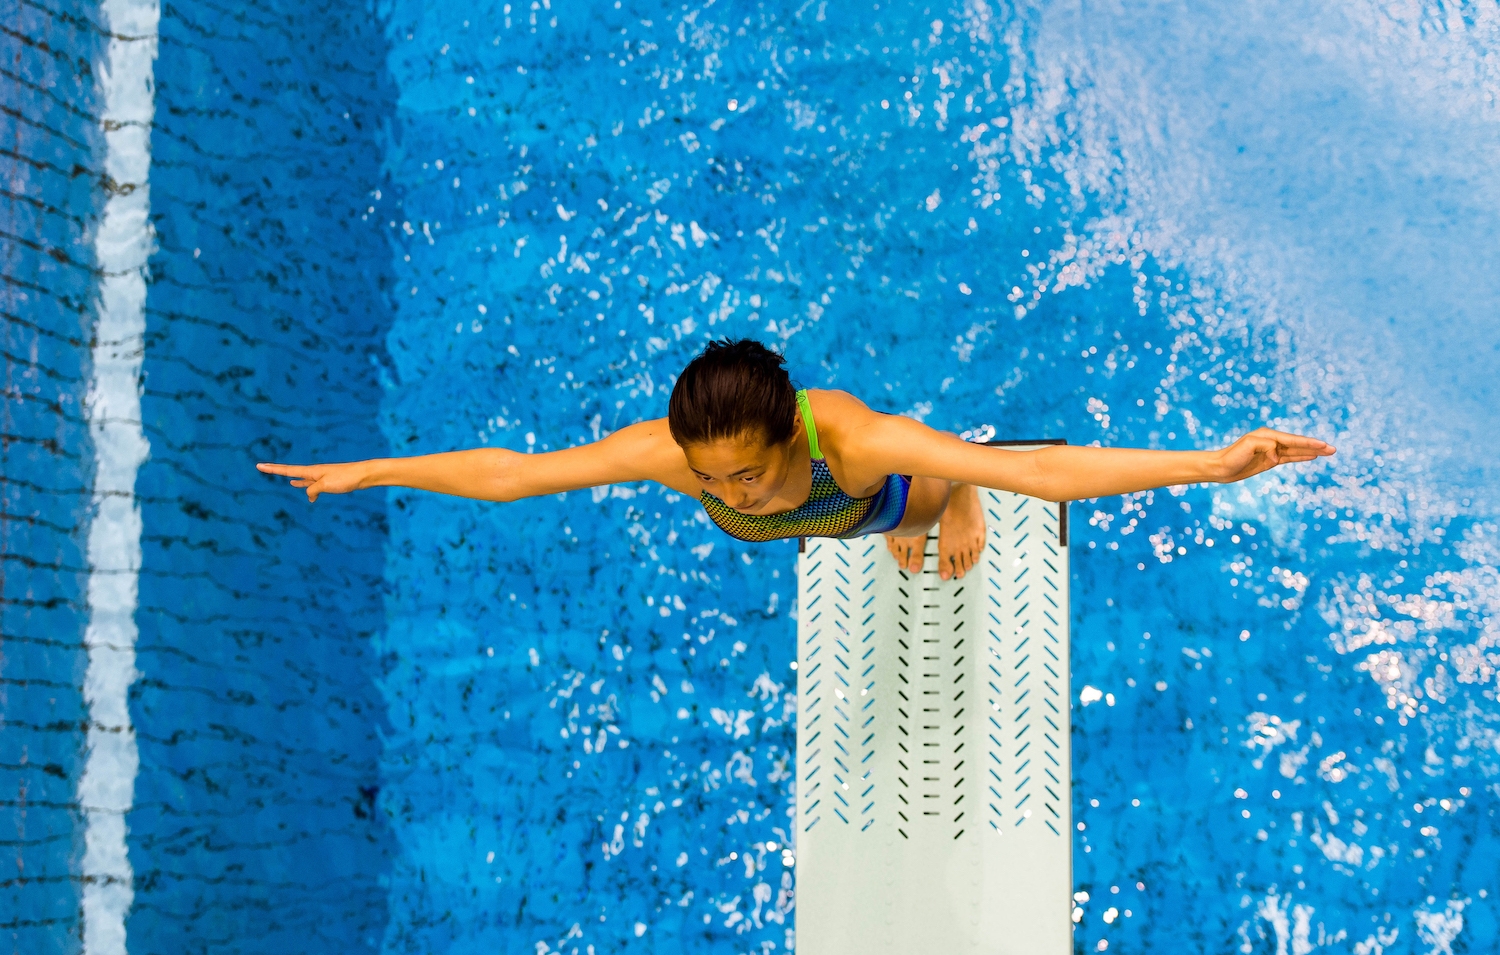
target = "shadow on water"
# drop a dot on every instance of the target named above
(255, 826)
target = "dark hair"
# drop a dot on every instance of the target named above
(734, 389)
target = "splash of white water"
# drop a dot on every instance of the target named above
(1325, 168)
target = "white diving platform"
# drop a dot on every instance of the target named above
(933, 779)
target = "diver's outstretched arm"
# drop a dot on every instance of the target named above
(640, 452)
(1070, 473)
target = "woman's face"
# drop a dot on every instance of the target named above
(744, 472)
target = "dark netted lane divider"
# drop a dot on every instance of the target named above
(256, 826)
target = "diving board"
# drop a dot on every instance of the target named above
(933, 804)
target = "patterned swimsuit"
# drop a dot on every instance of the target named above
(828, 511)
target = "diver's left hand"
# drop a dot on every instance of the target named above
(1264, 449)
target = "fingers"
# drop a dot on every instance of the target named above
(285, 470)
(1289, 440)
(302, 477)
(1277, 452)
(1266, 448)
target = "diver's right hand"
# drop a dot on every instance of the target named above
(320, 478)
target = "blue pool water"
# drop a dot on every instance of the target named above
(397, 722)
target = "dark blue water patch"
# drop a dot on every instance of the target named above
(256, 828)
(49, 202)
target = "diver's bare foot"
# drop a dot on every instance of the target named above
(960, 532)
(908, 552)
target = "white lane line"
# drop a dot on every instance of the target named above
(121, 247)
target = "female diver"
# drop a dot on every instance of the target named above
(768, 461)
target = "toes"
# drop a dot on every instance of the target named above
(898, 550)
(957, 563)
(909, 552)
(965, 562)
(908, 557)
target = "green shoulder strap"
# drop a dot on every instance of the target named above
(804, 406)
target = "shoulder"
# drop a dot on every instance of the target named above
(648, 450)
(651, 440)
(846, 427)
(865, 445)
(653, 433)
(838, 411)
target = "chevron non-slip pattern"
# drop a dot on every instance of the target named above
(932, 800)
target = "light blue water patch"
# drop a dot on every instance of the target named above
(1323, 166)
(901, 199)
